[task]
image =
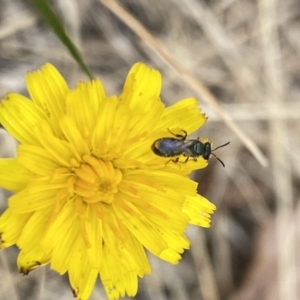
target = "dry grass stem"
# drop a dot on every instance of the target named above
(280, 161)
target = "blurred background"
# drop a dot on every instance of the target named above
(243, 55)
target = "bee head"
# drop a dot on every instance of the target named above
(207, 151)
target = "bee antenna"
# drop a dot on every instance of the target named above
(221, 146)
(219, 158)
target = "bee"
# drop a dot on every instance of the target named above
(180, 145)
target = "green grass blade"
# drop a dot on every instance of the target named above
(48, 14)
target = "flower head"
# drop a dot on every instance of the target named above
(90, 194)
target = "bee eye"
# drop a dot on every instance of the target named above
(207, 151)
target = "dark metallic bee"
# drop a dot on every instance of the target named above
(171, 147)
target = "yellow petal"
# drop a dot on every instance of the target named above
(74, 137)
(95, 235)
(116, 278)
(28, 201)
(36, 159)
(84, 104)
(183, 115)
(34, 229)
(102, 132)
(19, 116)
(141, 227)
(20, 176)
(134, 257)
(11, 226)
(59, 226)
(199, 210)
(48, 90)
(30, 260)
(82, 277)
(177, 243)
(64, 245)
(60, 150)
(142, 84)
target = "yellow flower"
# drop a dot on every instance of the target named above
(91, 195)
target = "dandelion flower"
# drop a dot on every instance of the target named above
(90, 195)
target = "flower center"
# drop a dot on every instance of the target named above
(96, 180)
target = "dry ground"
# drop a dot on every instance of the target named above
(243, 55)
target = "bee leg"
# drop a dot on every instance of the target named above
(181, 136)
(167, 162)
(175, 160)
(185, 134)
(187, 159)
